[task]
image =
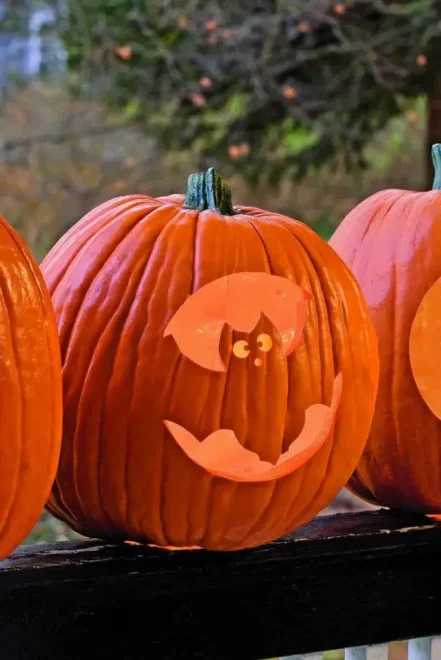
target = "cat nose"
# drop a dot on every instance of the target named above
(258, 362)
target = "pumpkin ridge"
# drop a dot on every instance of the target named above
(9, 307)
(53, 256)
(113, 524)
(126, 315)
(102, 265)
(393, 393)
(279, 483)
(49, 318)
(73, 445)
(398, 433)
(322, 351)
(5, 522)
(268, 264)
(288, 226)
(17, 518)
(163, 463)
(172, 380)
(393, 202)
(103, 222)
(240, 255)
(275, 484)
(213, 480)
(242, 262)
(378, 219)
(199, 227)
(235, 487)
(63, 512)
(329, 315)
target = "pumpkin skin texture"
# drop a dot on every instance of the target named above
(30, 394)
(392, 243)
(424, 345)
(117, 280)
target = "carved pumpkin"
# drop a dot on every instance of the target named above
(392, 243)
(220, 371)
(30, 391)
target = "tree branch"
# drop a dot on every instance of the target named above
(58, 138)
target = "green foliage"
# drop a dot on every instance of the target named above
(265, 89)
(298, 138)
(13, 17)
(50, 530)
(324, 226)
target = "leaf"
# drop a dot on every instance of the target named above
(299, 139)
(132, 108)
(172, 37)
(324, 227)
(236, 105)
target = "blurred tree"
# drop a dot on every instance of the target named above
(261, 87)
(29, 45)
(62, 157)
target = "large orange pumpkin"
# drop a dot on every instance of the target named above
(30, 391)
(392, 243)
(220, 370)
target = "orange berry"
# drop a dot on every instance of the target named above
(234, 151)
(124, 52)
(413, 117)
(340, 8)
(303, 28)
(206, 82)
(198, 100)
(289, 92)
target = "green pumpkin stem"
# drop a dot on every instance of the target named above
(207, 190)
(436, 159)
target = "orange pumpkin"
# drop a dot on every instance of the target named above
(392, 243)
(220, 371)
(30, 391)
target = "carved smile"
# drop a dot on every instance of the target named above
(222, 455)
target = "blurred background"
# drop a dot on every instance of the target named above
(307, 106)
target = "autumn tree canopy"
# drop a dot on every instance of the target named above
(264, 87)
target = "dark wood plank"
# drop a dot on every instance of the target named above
(348, 579)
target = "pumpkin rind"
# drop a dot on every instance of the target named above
(31, 391)
(392, 244)
(116, 279)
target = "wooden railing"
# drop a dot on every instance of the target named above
(343, 581)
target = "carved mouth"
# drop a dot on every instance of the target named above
(222, 455)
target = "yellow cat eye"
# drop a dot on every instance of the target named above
(241, 349)
(264, 342)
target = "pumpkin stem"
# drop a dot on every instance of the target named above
(436, 159)
(207, 190)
